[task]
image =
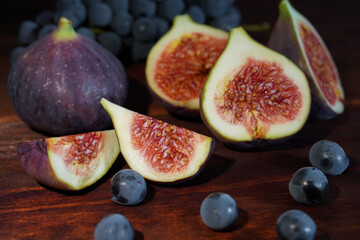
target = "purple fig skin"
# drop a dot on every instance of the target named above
(56, 86)
(34, 158)
(283, 40)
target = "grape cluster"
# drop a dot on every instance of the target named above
(127, 28)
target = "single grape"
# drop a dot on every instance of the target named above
(308, 185)
(162, 26)
(234, 14)
(140, 50)
(111, 41)
(45, 17)
(197, 14)
(329, 157)
(122, 23)
(128, 187)
(114, 227)
(219, 211)
(16, 53)
(215, 8)
(143, 8)
(224, 23)
(144, 29)
(119, 6)
(170, 8)
(100, 15)
(27, 33)
(85, 31)
(294, 225)
(46, 29)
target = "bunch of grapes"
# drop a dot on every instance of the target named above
(127, 28)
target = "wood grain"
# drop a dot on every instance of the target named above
(257, 179)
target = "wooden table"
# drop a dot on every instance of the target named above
(257, 179)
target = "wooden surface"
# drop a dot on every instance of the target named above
(257, 179)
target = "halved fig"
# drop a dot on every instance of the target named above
(70, 162)
(159, 151)
(295, 37)
(254, 95)
(179, 63)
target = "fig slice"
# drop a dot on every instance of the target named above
(295, 37)
(70, 162)
(179, 63)
(253, 95)
(159, 151)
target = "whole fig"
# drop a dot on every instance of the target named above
(57, 84)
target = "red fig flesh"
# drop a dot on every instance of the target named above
(70, 162)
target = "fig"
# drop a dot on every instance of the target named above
(159, 151)
(71, 162)
(56, 85)
(295, 37)
(179, 63)
(253, 95)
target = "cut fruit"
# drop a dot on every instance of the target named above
(295, 37)
(159, 151)
(70, 162)
(179, 63)
(254, 95)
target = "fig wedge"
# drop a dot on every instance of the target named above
(295, 37)
(159, 151)
(253, 95)
(70, 162)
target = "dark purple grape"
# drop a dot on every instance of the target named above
(119, 6)
(114, 227)
(219, 211)
(197, 14)
(224, 23)
(85, 31)
(111, 41)
(295, 225)
(329, 157)
(162, 26)
(16, 53)
(122, 23)
(45, 17)
(27, 33)
(234, 14)
(143, 8)
(215, 8)
(88, 3)
(309, 186)
(128, 187)
(144, 29)
(46, 30)
(170, 8)
(100, 15)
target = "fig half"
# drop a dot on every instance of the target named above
(179, 63)
(253, 95)
(159, 151)
(295, 37)
(70, 162)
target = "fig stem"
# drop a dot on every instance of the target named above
(64, 31)
(256, 27)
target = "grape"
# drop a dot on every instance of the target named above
(308, 185)
(27, 32)
(295, 224)
(111, 41)
(128, 187)
(162, 26)
(119, 6)
(215, 8)
(196, 13)
(224, 23)
(219, 211)
(143, 8)
(45, 17)
(85, 31)
(45, 30)
(329, 157)
(16, 53)
(170, 8)
(75, 11)
(144, 29)
(88, 3)
(140, 50)
(100, 15)
(122, 23)
(114, 227)
(234, 14)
